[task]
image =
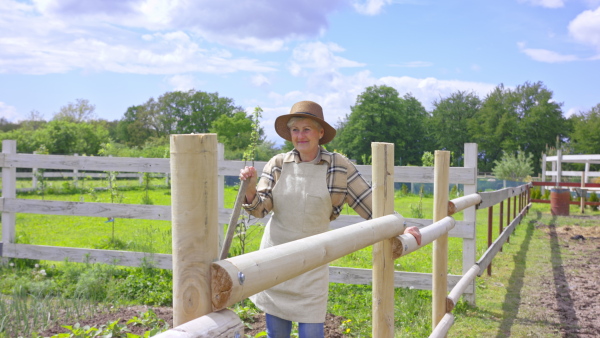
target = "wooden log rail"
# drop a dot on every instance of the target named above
(491, 252)
(237, 278)
(487, 200)
(405, 244)
(231, 280)
(221, 324)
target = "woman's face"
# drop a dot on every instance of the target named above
(306, 135)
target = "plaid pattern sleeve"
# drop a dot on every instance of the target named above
(263, 200)
(346, 185)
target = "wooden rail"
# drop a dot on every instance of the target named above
(10, 206)
(431, 230)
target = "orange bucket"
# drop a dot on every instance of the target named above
(559, 201)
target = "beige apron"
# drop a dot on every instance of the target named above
(301, 208)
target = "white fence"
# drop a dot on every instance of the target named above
(10, 205)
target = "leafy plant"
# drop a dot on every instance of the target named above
(148, 319)
(417, 210)
(514, 167)
(594, 198)
(146, 182)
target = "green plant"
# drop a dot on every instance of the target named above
(148, 319)
(546, 194)
(536, 193)
(594, 198)
(146, 182)
(417, 210)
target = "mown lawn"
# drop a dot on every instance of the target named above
(413, 307)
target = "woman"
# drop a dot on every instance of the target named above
(305, 188)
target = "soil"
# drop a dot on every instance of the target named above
(573, 294)
(332, 323)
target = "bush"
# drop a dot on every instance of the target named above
(536, 193)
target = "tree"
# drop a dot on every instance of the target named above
(449, 121)
(35, 120)
(525, 118)
(585, 135)
(135, 127)
(380, 115)
(540, 118)
(173, 113)
(514, 167)
(67, 138)
(80, 111)
(234, 132)
(192, 111)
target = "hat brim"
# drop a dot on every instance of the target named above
(282, 129)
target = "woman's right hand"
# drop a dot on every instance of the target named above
(249, 173)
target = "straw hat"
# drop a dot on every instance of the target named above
(307, 109)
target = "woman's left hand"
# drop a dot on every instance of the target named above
(415, 232)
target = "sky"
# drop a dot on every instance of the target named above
(273, 53)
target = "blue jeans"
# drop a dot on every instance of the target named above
(281, 328)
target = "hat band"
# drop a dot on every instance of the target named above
(305, 112)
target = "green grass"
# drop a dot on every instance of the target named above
(493, 314)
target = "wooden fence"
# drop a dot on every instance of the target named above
(10, 205)
(217, 284)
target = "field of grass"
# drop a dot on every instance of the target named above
(413, 307)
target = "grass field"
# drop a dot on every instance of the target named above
(413, 307)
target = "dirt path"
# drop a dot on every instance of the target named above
(572, 295)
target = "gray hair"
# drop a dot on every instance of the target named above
(295, 119)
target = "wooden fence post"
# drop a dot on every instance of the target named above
(34, 179)
(501, 221)
(221, 191)
(75, 175)
(440, 245)
(558, 167)
(583, 192)
(383, 263)
(9, 190)
(490, 234)
(194, 222)
(470, 215)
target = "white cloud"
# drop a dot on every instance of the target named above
(430, 89)
(260, 80)
(575, 110)
(318, 56)
(548, 56)
(9, 112)
(33, 44)
(370, 7)
(545, 3)
(585, 28)
(337, 93)
(182, 82)
(262, 25)
(544, 55)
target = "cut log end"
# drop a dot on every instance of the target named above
(449, 305)
(397, 248)
(451, 208)
(221, 286)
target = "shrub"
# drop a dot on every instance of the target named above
(594, 198)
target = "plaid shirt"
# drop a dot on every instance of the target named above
(344, 182)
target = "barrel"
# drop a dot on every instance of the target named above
(559, 201)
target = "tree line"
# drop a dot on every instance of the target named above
(507, 120)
